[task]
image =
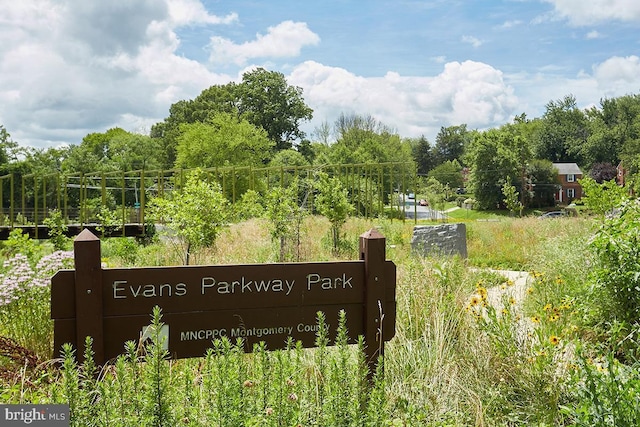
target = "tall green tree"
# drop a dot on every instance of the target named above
(211, 101)
(8, 148)
(268, 101)
(448, 173)
(263, 98)
(363, 139)
(113, 150)
(618, 134)
(223, 140)
(615, 129)
(602, 144)
(563, 130)
(542, 183)
(450, 143)
(493, 157)
(422, 153)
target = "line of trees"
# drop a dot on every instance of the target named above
(598, 139)
(257, 122)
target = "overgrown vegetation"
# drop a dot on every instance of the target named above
(472, 347)
(553, 342)
(195, 214)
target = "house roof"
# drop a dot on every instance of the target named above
(567, 168)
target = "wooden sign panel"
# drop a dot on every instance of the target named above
(255, 302)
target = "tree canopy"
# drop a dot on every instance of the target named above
(562, 133)
(363, 139)
(258, 122)
(494, 157)
(263, 98)
(450, 143)
(113, 150)
(223, 140)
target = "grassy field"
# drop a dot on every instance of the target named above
(455, 360)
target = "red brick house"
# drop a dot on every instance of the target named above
(569, 174)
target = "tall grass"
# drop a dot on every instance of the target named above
(225, 387)
(457, 357)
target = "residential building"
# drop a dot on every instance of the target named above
(570, 189)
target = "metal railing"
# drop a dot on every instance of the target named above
(29, 199)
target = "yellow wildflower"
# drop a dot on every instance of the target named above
(554, 340)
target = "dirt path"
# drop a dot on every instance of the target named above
(518, 290)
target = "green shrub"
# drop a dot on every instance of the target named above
(616, 276)
(123, 248)
(20, 243)
(57, 230)
(25, 300)
(605, 392)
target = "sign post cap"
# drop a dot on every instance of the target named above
(85, 236)
(372, 234)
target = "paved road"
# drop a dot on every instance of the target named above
(423, 212)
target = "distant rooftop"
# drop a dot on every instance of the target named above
(567, 168)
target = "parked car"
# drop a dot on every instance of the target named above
(553, 214)
(423, 202)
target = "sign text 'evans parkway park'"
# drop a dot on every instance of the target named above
(255, 302)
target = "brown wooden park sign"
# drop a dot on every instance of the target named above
(255, 302)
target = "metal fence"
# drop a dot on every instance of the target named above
(373, 189)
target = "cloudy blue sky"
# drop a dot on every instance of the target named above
(72, 67)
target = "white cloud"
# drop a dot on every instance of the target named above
(618, 76)
(591, 35)
(581, 12)
(510, 24)
(283, 40)
(614, 77)
(72, 67)
(473, 41)
(189, 12)
(469, 92)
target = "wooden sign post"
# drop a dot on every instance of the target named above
(255, 302)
